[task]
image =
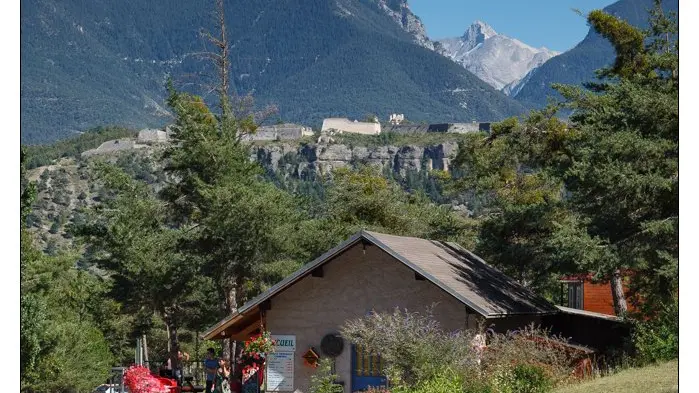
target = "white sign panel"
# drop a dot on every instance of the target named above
(284, 343)
(280, 372)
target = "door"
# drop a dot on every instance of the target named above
(575, 295)
(367, 369)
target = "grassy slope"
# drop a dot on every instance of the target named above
(662, 378)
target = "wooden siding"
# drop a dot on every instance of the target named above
(598, 298)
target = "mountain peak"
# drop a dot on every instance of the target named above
(478, 32)
(498, 60)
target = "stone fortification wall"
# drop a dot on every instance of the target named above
(463, 128)
(280, 132)
(150, 135)
(356, 127)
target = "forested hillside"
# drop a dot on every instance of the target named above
(93, 63)
(579, 64)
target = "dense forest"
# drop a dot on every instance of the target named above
(166, 245)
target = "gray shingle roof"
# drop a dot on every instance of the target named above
(464, 275)
(454, 269)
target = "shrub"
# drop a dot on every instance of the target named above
(323, 381)
(55, 227)
(413, 346)
(478, 385)
(420, 357)
(522, 378)
(445, 381)
(533, 347)
(658, 339)
(530, 379)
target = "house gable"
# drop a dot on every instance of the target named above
(458, 272)
(360, 280)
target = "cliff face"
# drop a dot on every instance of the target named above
(66, 187)
(321, 159)
(400, 12)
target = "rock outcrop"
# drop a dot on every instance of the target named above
(400, 12)
(320, 159)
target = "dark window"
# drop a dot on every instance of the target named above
(575, 295)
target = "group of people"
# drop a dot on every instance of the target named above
(218, 375)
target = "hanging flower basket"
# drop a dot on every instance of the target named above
(254, 354)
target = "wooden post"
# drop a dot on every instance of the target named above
(145, 351)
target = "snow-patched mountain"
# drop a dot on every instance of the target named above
(497, 59)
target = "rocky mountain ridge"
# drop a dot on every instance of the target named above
(306, 160)
(578, 65)
(497, 59)
(400, 12)
(96, 63)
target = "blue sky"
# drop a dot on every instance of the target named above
(549, 23)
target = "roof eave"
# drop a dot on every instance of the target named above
(220, 326)
(591, 314)
(515, 314)
(306, 269)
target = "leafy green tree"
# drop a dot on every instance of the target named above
(521, 198)
(33, 320)
(624, 176)
(128, 235)
(598, 193)
(79, 357)
(364, 198)
(236, 224)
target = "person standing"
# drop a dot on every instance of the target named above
(222, 383)
(211, 368)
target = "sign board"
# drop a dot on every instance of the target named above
(284, 343)
(280, 372)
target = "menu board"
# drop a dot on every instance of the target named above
(280, 372)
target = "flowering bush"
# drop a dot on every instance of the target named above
(139, 380)
(254, 353)
(418, 354)
(261, 343)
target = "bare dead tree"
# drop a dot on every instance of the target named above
(237, 112)
(221, 60)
